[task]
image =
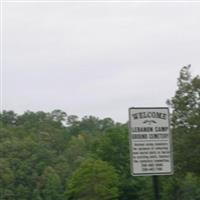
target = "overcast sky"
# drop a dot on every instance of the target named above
(96, 59)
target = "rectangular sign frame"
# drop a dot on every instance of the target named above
(151, 151)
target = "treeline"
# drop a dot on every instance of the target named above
(55, 156)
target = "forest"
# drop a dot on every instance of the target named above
(56, 156)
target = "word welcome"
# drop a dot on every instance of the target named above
(143, 115)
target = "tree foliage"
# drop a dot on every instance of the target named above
(93, 180)
(186, 122)
(55, 156)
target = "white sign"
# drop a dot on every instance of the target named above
(150, 141)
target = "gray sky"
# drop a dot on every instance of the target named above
(96, 59)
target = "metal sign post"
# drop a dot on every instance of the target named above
(156, 187)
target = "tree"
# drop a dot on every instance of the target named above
(8, 118)
(181, 188)
(93, 180)
(51, 187)
(58, 116)
(88, 124)
(76, 151)
(113, 147)
(186, 102)
(191, 187)
(186, 122)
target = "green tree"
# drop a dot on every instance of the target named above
(186, 122)
(113, 147)
(22, 192)
(93, 180)
(88, 124)
(51, 187)
(58, 116)
(191, 187)
(8, 118)
(76, 151)
(182, 188)
(36, 195)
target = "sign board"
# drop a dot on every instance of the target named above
(150, 141)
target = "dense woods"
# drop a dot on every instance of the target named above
(56, 156)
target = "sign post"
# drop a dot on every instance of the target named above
(156, 187)
(150, 143)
